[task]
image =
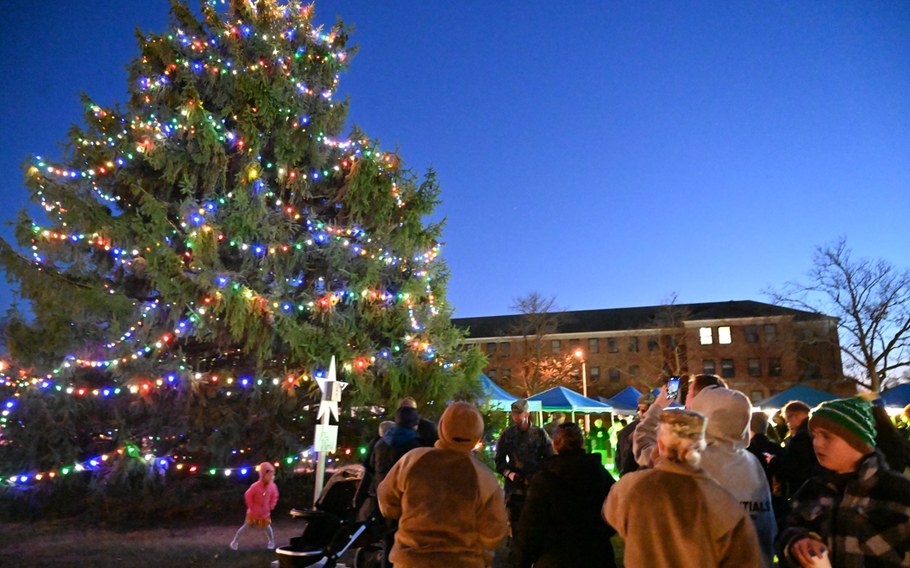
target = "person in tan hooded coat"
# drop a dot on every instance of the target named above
(674, 515)
(449, 506)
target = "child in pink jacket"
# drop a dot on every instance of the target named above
(260, 499)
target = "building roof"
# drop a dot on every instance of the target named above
(621, 319)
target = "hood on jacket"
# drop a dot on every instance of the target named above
(728, 413)
(397, 436)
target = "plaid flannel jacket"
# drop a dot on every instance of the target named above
(862, 517)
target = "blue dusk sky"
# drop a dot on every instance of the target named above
(608, 153)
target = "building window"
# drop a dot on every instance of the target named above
(751, 333)
(705, 335)
(491, 373)
(614, 375)
(504, 349)
(754, 367)
(671, 342)
(573, 343)
(633, 345)
(770, 332)
(611, 345)
(723, 335)
(652, 344)
(756, 395)
(555, 345)
(726, 369)
(593, 345)
(774, 368)
(491, 348)
(595, 373)
(633, 370)
(506, 374)
(707, 366)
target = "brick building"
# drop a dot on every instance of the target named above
(760, 349)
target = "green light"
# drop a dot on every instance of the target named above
(65, 471)
(212, 471)
(290, 460)
(363, 451)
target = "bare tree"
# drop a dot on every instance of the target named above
(534, 370)
(870, 298)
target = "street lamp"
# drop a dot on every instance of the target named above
(584, 385)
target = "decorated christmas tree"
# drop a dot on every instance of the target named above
(208, 248)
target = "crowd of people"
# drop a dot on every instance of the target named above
(711, 483)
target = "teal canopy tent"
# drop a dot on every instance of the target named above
(812, 397)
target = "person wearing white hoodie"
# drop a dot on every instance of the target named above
(725, 458)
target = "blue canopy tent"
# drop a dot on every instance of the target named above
(896, 397)
(499, 399)
(561, 399)
(812, 397)
(625, 402)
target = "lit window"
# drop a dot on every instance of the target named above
(705, 336)
(726, 369)
(723, 335)
(595, 372)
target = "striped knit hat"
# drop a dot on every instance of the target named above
(850, 419)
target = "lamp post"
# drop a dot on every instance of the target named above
(584, 386)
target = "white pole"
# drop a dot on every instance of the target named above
(584, 393)
(320, 466)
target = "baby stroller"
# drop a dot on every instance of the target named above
(332, 527)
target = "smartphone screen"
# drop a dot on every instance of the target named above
(673, 388)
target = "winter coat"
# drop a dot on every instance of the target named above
(624, 455)
(863, 517)
(449, 508)
(725, 458)
(761, 445)
(261, 499)
(395, 443)
(521, 452)
(796, 462)
(561, 524)
(426, 432)
(675, 516)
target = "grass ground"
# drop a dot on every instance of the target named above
(62, 544)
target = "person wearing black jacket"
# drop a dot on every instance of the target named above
(796, 462)
(561, 525)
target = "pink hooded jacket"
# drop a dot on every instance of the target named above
(261, 499)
